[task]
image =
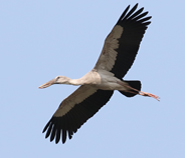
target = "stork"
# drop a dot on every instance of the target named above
(97, 86)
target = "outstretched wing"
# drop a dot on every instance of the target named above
(122, 44)
(74, 111)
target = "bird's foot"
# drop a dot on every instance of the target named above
(149, 95)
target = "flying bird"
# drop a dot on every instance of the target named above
(97, 86)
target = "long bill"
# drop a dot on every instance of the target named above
(47, 84)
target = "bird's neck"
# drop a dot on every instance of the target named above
(75, 82)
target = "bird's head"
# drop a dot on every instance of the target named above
(56, 80)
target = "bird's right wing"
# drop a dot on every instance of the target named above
(74, 111)
(121, 45)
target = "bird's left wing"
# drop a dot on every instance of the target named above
(122, 44)
(74, 111)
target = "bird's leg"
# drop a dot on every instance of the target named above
(149, 95)
(138, 91)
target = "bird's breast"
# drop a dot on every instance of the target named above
(109, 82)
(91, 78)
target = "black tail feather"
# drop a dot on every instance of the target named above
(133, 84)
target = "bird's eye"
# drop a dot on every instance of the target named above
(57, 77)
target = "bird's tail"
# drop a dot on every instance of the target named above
(133, 84)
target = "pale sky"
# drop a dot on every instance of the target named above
(42, 39)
